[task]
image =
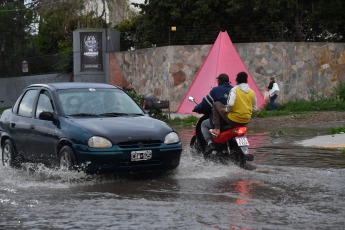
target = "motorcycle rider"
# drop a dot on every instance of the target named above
(240, 105)
(217, 94)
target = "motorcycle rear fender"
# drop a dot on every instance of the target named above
(223, 137)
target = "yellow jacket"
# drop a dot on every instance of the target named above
(241, 103)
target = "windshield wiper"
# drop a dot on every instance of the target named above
(138, 114)
(84, 115)
(114, 114)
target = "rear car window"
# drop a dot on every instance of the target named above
(27, 103)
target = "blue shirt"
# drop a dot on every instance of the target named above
(218, 93)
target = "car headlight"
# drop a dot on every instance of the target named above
(99, 142)
(171, 138)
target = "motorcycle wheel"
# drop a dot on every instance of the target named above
(238, 157)
(194, 144)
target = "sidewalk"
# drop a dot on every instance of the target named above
(335, 141)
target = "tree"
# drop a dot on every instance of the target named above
(57, 22)
(15, 22)
(15, 36)
(199, 21)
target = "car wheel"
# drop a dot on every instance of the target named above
(9, 158)
(67, 159)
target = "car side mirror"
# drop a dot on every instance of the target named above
(48, 116)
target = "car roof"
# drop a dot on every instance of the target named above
(74, 85)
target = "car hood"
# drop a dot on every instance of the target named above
(122, 129)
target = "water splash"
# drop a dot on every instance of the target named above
(38, 175)
(193, 165)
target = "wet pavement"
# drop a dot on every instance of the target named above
(335, 141)
(287, 186)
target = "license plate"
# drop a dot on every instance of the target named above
(141, 155)
(242, 141)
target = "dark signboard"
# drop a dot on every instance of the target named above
(91, 51)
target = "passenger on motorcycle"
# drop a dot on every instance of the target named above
(239, 108)
(217, 94)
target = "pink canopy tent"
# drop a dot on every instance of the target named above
(222, 58)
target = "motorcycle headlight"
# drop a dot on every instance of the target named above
(99, 142)
(171, 138)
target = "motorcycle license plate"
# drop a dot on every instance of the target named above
(141, 155)
(242, 141)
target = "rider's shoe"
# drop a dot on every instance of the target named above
(209, 149)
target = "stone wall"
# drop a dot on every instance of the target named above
(302, 70)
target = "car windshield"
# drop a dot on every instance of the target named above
(97, 102)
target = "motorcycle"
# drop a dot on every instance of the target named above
(230, 145)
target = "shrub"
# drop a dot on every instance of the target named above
(340, 91)
(137, 97)
(155, 113)
(333, 130)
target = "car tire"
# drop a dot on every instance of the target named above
(9, 156)
(67, 159)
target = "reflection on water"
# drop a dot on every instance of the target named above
(289, 187)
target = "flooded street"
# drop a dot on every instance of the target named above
(286, 187)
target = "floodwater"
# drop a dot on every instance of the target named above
(285, 187)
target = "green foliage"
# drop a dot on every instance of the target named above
(15, 30)
(189, 121)
(56, 24)
(340, 91)
(338, 130)
(317, 103)
(155, 113)
(158, 114)
(199, 22)
(268, 113)
(59, 20)
(130, 38)
(3, 109)
(65, 61)
(137, 97)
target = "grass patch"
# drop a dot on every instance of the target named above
(3, 109)
(299, 107)
(343, 152)
(268, 113)
(318, 105)
(185, 122)
(333, 130)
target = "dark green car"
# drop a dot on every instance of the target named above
(90, 126)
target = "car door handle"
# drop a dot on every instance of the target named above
(32, 127)
(12, 124)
